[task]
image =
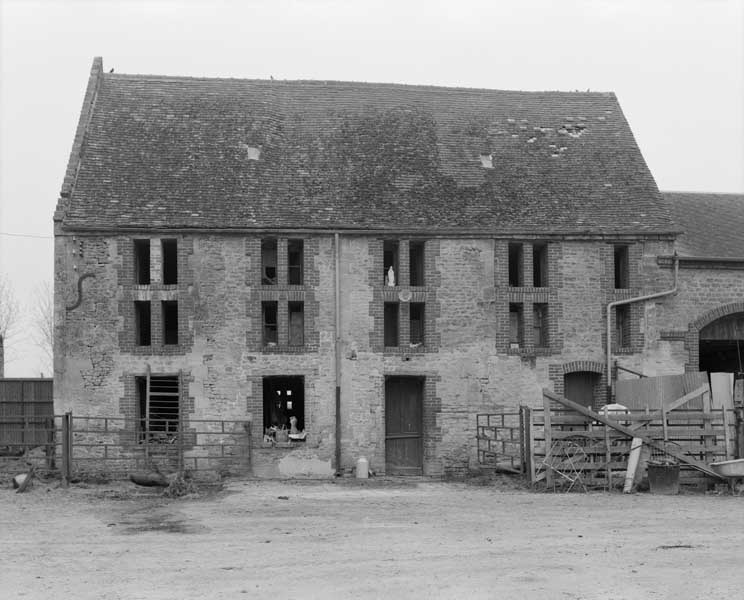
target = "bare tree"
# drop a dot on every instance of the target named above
(43, 322)
(9, 314)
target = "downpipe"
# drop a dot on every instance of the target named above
(611, 305)
(337, 350)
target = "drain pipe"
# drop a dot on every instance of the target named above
(337, 350)
(611, 305)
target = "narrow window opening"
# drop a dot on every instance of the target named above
(269, 312)
(391, 324)
(170, 322)
(540, 325)
(283, 405)
(417, 323)
(516, 325)
(515, 265)
(416, 255)
(296, 323)
(540, 265)
(170, 261)
(294, 261)
(158, 413)
(142, 330)
(622, 326)
(142, 262)
(622, 268)
(390, 262)
(268, 262)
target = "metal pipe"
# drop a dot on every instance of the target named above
(337, 350)
(611, 305)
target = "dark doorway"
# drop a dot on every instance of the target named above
(283, 398)
(404, 423)
(722, 345)
(581, 387)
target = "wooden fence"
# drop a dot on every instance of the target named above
(565, 448)
(114, 447)
(26, 415)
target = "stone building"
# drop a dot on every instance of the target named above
(236, 241)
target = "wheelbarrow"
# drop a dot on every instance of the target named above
(730, 469)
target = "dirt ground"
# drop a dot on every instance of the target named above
(408, 538)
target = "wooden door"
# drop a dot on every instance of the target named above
(580, 387)
(404, 426)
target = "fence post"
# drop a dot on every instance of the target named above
(248, 427)
(180, 443)
(522, 441)
(548, 439)
(66, 448)
(528, 442)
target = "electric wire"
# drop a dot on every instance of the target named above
(27, 235)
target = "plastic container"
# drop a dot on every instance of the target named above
(663, 478)
(362, 468)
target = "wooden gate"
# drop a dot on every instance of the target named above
(404, 426)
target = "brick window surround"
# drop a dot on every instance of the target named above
(515, 260)
(557, 371)
(692, 336)
(155, 292)
(404, 294)
(287, 296)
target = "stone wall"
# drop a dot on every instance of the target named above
(467, 362)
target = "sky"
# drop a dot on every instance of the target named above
(677, 67)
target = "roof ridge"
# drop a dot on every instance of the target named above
(326, 82)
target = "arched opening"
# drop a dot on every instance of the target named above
(583, 387)
(722, 345)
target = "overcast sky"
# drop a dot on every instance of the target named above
(677, 67)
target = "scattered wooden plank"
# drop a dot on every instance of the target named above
(722, 390)
(26, 481)
(633, 459)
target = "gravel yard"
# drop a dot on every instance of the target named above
(406, 538)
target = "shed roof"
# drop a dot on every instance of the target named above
(177, 152)
(712, 224)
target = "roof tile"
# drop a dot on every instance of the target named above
(174, 152)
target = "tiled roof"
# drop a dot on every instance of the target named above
(175, 152)
(713, 224)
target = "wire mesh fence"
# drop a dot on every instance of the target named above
(114, 447)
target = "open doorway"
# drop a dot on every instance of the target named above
(722, 346)
(283, 398)
(582, 387)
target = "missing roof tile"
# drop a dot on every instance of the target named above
(486, 161)
(251, 152)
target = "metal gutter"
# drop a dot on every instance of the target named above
(427, 233)
(611, 305)
(665, 260)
